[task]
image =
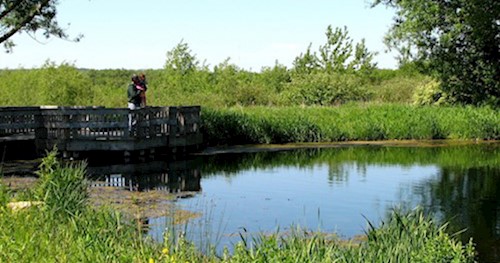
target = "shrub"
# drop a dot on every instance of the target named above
(325, 89)
(430, 93)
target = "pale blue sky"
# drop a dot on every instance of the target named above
(252, 33)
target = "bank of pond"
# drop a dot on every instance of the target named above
(63, 224)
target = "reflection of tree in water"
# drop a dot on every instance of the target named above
(466, 193)
(469, 198)
(340, 160)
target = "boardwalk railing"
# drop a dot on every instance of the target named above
(19, 120)
(98, 128)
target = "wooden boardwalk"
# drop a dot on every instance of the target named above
(80, 129)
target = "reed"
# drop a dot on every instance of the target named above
(353, 122)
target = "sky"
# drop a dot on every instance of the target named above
(126, 34)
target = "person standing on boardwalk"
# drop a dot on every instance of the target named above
(134, 99)
(134, 93)
(143, 86)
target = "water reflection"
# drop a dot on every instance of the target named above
(334, 189)
(470, 199)
(144, 190)
(172, 176)
(329, 189)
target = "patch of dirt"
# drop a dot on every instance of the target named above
(17, 183)
(148, 204)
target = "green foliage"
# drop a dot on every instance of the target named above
(430, 94)
(395, 86)
(338, 74)
(306, 63)
(350, 122)
(336, 55)
(61, 85)
(456, 39)
(413, 237)
(4, 196)
(62, 189)
(65, 228)
(96, 236)
(29, 16)
(324, 89)
(406, 238)
(180, 59)
(184, 81)
(274, 79)
(399, 89)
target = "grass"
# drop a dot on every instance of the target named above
(354, 122)
(67, 229)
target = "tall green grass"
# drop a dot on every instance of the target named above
(403, 237)
(62, 188)
(250, 125)
(65, 228)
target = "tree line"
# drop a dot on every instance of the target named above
(455, 42)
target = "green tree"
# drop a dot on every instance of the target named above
(182, 69)
(306, 63)
(63, 85)
(29, 16)
(337, 55)
(458, 40)
(337, 50)
(180, 59)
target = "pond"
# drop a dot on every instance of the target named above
(330, 189)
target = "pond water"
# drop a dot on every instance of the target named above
(333, 189)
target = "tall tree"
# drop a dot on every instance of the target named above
(337, 55)
(29, 16)
(181, 60)
(459, 40)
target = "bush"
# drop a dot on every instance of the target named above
(324, 89)
(399, 89)
(430, 93)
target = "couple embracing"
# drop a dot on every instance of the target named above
(136, 92)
